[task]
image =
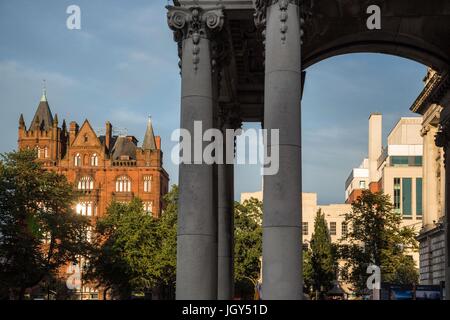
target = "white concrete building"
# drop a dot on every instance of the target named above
(334, 215)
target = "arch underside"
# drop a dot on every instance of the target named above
(419, 54)
(413, 29)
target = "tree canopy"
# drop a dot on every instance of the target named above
(375, 236)
(134, 252)
(320, 262)
(39, 230)
(247, 245)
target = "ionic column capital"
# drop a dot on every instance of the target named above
(194, 23)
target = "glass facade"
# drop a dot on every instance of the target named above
(406, 161)
(419, 203)
(397, 195)
(407, 197)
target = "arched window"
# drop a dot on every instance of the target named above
(123, 184)
(148, 184)
(46, 152)
(94, 160)
(86, 183)
(39, 153)
(77, 160)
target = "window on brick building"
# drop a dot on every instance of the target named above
(86, 183)
(123, 184)
(148, 184)
(85, 208)
(94, 160)
(77, 160)
(148, 207)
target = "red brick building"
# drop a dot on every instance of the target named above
(102, 168)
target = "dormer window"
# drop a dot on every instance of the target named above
(86, 138)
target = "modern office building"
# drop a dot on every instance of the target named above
(395, 169)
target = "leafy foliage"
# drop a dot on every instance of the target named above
(125, 249)
(320, 265)
(375, 236)
(247, 245)
(39, 232)
(136, 253)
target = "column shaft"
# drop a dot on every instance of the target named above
(447, 220)
(282, 251)
(225, 231)
(197, 219)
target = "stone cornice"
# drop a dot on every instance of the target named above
(433, 92)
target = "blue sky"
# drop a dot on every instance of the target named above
(122, 66)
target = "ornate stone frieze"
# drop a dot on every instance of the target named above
(424, 131)
(442, 138)
(194, 24)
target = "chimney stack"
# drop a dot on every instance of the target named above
(108, 136)
(73, 131)
(158, 142)
(375, 149)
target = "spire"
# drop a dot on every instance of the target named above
(43, 119)
(55, 120)
(149, 138)
(44, 92)
(21, 121)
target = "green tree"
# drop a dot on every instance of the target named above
(247, 245)
(375, 236)
(322, 258)
(166, 256)
(39, 231)
(125, 250)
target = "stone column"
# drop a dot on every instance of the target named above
(197, 215)
(229, 120)
(282, 238)
(443, 140)
(429, 189)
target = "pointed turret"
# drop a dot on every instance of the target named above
(43, 119)
(55, 120)
(149, 138)
(21, 121)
